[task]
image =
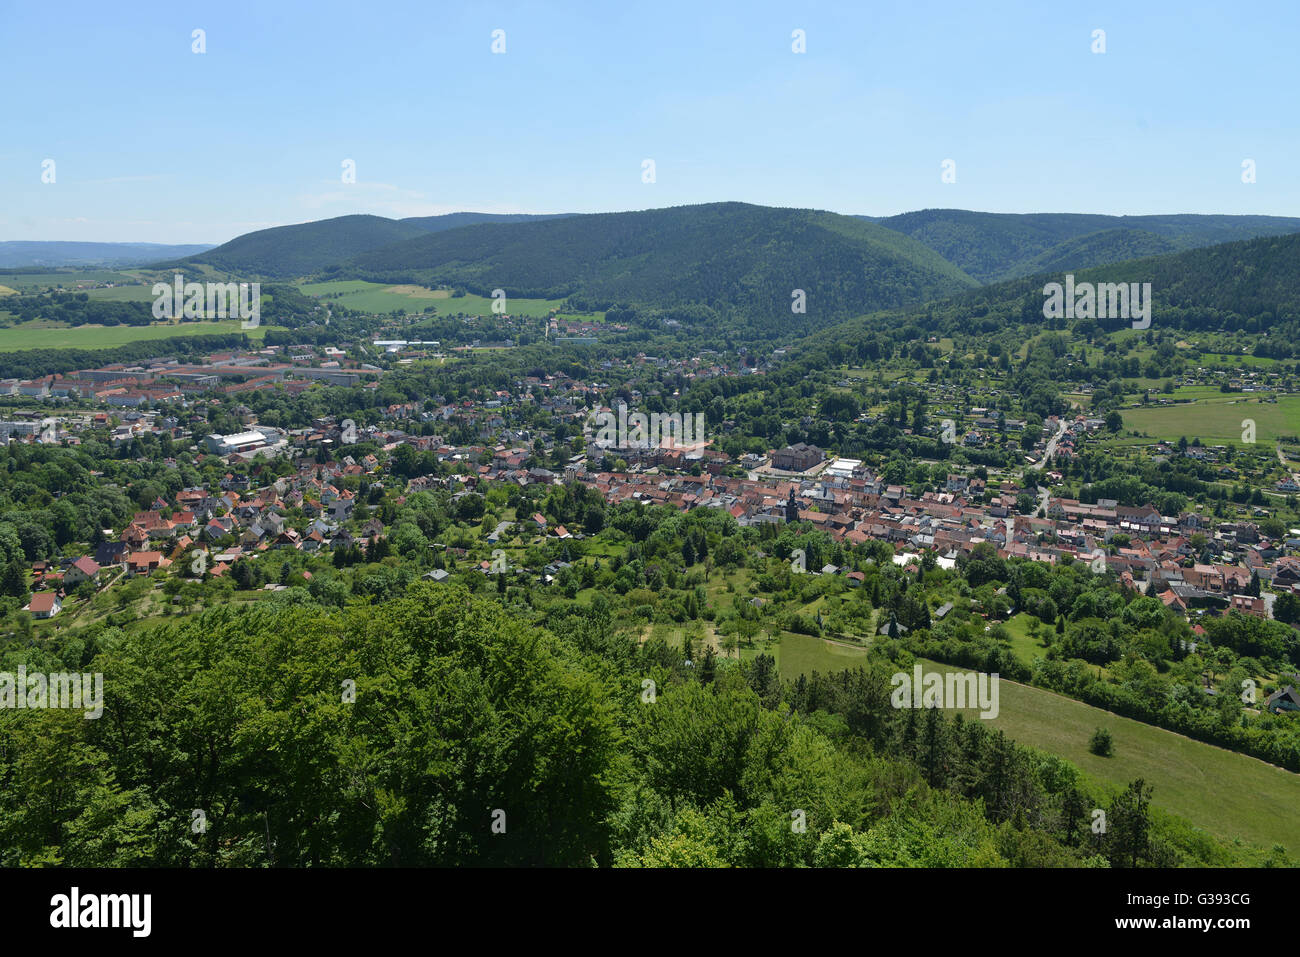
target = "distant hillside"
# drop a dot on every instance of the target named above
(285, 252)
(436, 224)
(290, 251)
(1251, 286)
(994, 246)
(14, 255)
(1096, 249)
(735, 258)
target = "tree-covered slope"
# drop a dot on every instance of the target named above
(290, 251)
(994, 246)
(436, 224)
(300, 250)
(1096, 249)
(732, 257)
(1250, 286)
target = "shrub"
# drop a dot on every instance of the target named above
(1101, 743)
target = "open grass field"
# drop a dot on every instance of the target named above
(1220, 360)
(1217, 421)
(53, 335)
(141, 293)
(803, 654)
(34, 281)
(1225, 793)
(377, 297)
(472, 305)
(1025, 647)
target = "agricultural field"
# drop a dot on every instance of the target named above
(1225, 793)
(377, 297)
(68, 281)
(803, 654)
(1217, 421)
(54, 335)
(140, 293)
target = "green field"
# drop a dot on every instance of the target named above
(34, 281)
(141, 293)
(1225, 793)
(1217, 421)
(803, 654)
(54, 335)
(1023, 645)
(378, 297)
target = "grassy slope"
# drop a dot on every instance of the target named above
(43, 335)
(1227, 794)
(1217, 421)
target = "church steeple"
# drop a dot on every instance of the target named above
(791, 508)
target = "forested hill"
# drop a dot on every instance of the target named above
(996, 246)
(1251, 286)
(1096, 249)
(734, 258)
(285, 252)
(290, 251)
(436, 224)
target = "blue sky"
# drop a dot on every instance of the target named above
(153, 142)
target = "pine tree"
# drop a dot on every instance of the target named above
(707, 666)
(934, 749)
(13, 580)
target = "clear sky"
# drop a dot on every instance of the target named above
(153, 142)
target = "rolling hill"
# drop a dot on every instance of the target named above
(436, 224)
(284, 252)
(1095, 249)
(734, 258)
(995, 246)
(1251, 285)
(290, 251)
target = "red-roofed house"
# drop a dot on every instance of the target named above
(142, 563)
(82, 570)
(44, 604)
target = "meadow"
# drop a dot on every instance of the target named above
(1217, 421)
(1227, 794)
(379, 298)
(69, 281)
(42, 334)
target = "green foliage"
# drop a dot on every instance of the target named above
(1101, 743)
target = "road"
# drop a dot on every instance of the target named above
(1051, 445)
